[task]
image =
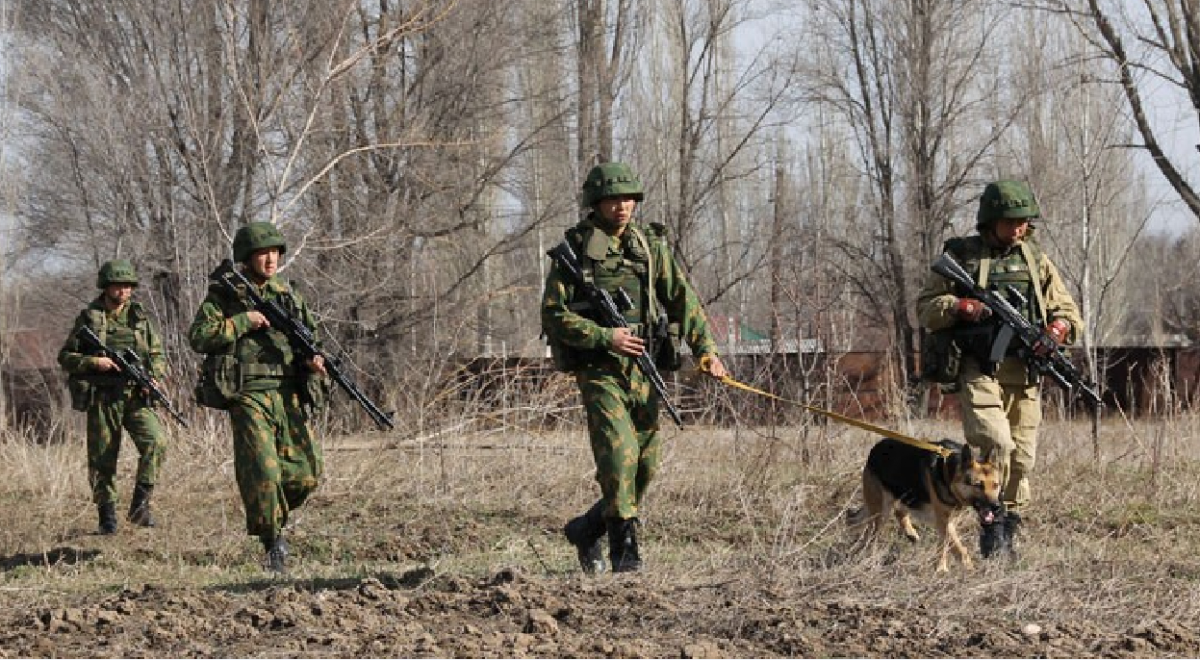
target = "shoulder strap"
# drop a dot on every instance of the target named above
(140, 322)
(579, 238)
(98, 322)
(1033, 257)
(652, 301)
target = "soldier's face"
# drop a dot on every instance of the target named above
(117, 294)
(617, 211)
(264, 263)
(1011, 230)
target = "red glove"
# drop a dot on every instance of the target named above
(970, 309)
(1057, 331)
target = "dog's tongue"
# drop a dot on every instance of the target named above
(987, 517)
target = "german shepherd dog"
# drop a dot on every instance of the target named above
(900, 479)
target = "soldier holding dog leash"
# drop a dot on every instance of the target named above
(627, 262)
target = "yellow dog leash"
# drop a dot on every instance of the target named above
(895, 435)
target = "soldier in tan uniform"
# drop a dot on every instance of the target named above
(1001, 403)
(622, 409)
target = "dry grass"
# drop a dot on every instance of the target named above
(756, 515)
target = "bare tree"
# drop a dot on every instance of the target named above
(375, 134)
(914, 82)
(1151, 46)
(605, 46)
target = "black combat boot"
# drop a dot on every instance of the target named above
(108, 518)
(139, 506)
(623, 546)
(277, 554)
(584, 532)
(993, 537)
(1012, 523)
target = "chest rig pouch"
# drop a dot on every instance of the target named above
(83, 388)
(220, 379)
(632, 268)
(1015, 272)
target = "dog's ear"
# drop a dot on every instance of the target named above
(967, 454)
(989, 455)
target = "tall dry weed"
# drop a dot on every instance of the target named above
(738, 507)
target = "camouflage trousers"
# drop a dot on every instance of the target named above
(622, 414)
(1003, 413)
(275, 459)
(111, 411)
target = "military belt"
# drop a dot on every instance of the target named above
(257, 370)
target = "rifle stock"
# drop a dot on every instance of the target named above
(611, 316)
(131, 368)
(299, 336)
(1014, 325)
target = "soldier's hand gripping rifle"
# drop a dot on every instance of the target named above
(299, 336)
(1038, 348)
(131, 368)
(610, 315)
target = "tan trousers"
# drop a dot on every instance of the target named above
(1001, 414)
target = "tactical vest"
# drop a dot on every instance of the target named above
(264, 357)
(610, 263)
(132, 333)
(1016, 270)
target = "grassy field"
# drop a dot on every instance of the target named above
(450, 545)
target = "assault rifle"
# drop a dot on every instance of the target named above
(610, 313)
(299, 336)
(131, 368)
(1052, 362)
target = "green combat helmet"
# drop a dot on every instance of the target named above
(1007, 200)
(254, 237)
(611, 180)
(117, 271)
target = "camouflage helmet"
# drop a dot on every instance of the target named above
(1006, 199)
(254, 237)
(611, 180)
(117, 271)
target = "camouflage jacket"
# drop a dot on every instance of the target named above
(128, 328)
(222, 325)
(671, 290)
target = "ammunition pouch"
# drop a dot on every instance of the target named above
(941, 356)
(570, 359)
(665, 345)
(976, 340)
(220, 381)
(81, 393)
(564, 357)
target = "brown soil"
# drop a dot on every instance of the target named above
(510, 614)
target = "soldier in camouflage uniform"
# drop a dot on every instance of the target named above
(111, 401)
(1001, 404)
(622, 409)
(277, 461)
